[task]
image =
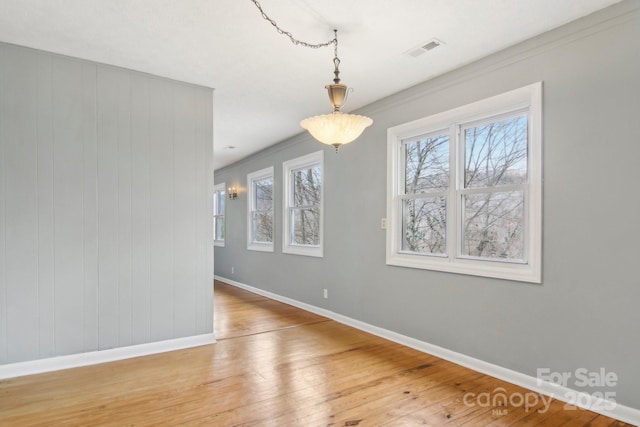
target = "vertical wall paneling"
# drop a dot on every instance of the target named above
(46, 315)
(90, 207)
(3, 267)
(21, 207)
(108, 212)
(68, 206)
(162, 209)
(105, 207)
(185, 218)
(124, 207)
(140, 211)
(199, 182)
(207, 122)
(201, 208)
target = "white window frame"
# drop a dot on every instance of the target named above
(252, 178)
(288, 167)
(527, 98)
(218, 189)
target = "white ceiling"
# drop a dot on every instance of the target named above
(264, 85)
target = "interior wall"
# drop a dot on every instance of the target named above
(105, 207)
(585, 313)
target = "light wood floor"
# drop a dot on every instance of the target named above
(274, 365)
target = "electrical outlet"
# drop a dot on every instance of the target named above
(326, 293)
(383, 223)
(233, 270)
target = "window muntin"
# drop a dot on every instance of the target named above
(260, 210)
(219, 194)
(465, 189)
(303, 205)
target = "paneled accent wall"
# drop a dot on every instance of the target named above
(105, 207)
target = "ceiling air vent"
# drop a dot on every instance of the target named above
(425, 47)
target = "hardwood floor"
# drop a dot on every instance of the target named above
(275, 365)
(238, 312)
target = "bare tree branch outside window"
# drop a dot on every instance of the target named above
(305, 212)
(495, 164)
(425, 213)
(218, 215)
(495, 168)
(262, 213)
(465, 189)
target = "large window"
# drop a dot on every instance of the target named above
(464, 189)
(219, 194)
(303, 189)
(260, 210)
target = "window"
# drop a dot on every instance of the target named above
(464, 189)
(260, 210)
(303, 197)
(219, 194)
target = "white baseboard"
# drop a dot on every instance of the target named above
(565, 394)
(102, 356)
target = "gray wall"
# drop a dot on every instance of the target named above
(105, 207)
(585, 313)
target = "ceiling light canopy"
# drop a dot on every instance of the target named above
(336, 128)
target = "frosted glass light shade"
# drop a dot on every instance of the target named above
(336, 128)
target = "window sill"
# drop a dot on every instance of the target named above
(313, 251)
(495, 269)
(260, 247)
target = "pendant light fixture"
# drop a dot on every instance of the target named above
(335, 128)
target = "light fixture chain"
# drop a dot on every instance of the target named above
(336, 60)
(295, 41)
(336, 128)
